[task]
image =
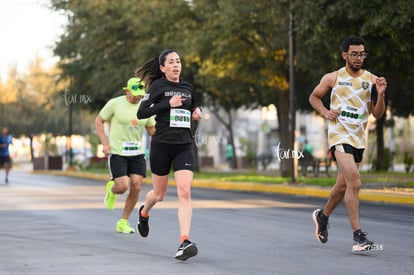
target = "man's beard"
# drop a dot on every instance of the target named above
(355, 68)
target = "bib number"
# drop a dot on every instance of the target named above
(180, 118)
(131, 148)
(351, 114)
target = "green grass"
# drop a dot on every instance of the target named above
(396, 179)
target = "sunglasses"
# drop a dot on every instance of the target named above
(137, 87)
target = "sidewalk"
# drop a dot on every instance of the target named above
(388, 195)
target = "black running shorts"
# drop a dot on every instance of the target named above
(4, 159)
(163, 155)
(346, 148)
(120, 166)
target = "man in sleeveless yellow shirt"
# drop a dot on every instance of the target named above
(355, 94)
(125, 150)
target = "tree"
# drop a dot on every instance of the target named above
(242, 51)
(107, 40)
(34, 104)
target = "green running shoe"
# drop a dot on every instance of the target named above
(110, 198)
(122, 226)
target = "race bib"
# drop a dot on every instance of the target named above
(180, 118)
(131, 148)
(350, 114)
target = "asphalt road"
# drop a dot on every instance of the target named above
(59, 225)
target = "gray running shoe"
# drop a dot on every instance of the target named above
(361, 243)
(186, 250)
(321, 230)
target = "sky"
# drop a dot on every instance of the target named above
(28, 28)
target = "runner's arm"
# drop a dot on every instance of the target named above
(150, 104)
(378, 106)
(315, 99)
(100, 131)
(150, 130)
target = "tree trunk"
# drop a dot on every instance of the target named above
(285, 142)
(31, 148)
(234, 164)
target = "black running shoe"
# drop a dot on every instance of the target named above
(142, 224)
(361, 243)
(321, 231)
(186, 250)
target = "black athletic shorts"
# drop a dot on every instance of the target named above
(163, 155)
(346, 148)
(120, 166)
(4, 159)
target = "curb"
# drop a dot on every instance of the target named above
(371, 195)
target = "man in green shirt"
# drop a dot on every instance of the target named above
(125, 152)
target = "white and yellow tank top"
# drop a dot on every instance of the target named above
(351, 96)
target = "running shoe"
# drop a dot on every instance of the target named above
(186, 250)
(321, 230)
(361, 243)
(122, 226)
(142, 224)
(110, 197)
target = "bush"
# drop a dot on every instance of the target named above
(408, 162)
(97, 163)
(387, 162)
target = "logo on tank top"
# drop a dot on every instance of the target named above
(365, 84)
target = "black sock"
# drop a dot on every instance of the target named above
(357, 233)
(322, 216)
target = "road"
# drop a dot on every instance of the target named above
(58, 225)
